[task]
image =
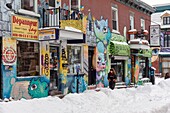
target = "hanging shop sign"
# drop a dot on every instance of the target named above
(25, 28)
(9, 54)
(155, 35)
(48, 34)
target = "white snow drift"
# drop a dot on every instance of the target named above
(144, 99)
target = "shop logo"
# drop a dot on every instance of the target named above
(46, 64)
(9, 55)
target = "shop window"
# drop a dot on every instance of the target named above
(28, 5)
(74, 58)
(165, 65)
(27, 58)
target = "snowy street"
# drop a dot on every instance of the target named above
(144, 99)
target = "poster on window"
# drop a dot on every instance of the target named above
(9, 54)
(155, 35)
(45, 58)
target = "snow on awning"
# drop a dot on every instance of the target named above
(139, 44)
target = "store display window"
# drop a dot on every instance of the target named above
(27, 58)
(74, 58)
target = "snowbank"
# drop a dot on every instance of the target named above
(144, 99)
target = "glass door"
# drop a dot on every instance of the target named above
(118, 66)
(54, 66)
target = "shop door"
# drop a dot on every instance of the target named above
(0, 69)
(54, 67)
(92, 71)
(118, 65)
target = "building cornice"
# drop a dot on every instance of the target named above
(138, 5)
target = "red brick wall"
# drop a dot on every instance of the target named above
(156, 65)
(100, 8)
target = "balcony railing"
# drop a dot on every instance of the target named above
(58, 17)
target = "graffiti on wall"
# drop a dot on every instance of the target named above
(8, 63)
(103, 35)
(29, 87)
(45, 59)
(85, 63)
(42, 4)
(63, 67)
(90, 36)
(136, 73)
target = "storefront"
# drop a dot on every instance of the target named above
(21, 68)
(119, 52)
(140, 59)
(49, 38)
(76, 54)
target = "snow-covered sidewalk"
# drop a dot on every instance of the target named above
(144, 99)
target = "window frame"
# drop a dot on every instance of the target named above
(39, 61)
(142, 21)
(28, 12)
(133, 25)
(116, 11)
(165, 20)
(79, 3)
(81, 53)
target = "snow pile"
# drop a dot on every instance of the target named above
(144, 99)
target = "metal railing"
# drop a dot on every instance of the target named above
(51, 17)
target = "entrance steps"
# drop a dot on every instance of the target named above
(56, 93)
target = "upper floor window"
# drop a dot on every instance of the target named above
(114, 18)
(75, 4)
(131, 22)
(52, 3)
(28, 5)
(131, 26)
(166, 20)
(167, 40)
(142, 24)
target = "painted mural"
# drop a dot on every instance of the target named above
(19, 87)
(85, 63)
(45, 58)
(103, 35)
(42, 4)
(128, 75)
(136, 69)
(8, 64)
(63, 67)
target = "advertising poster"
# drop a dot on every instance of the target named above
(136, 70)
(9, 53)
(155, 35)
(25, 28)
(45, 58)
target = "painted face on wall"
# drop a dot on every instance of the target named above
(38, 88)
(102, 31)
(103, 35)
(101, 62)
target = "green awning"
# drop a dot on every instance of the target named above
(145, 53)
(119, 48)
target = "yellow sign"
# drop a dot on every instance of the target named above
(48, 34)
(45, 58)
(23, 27)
